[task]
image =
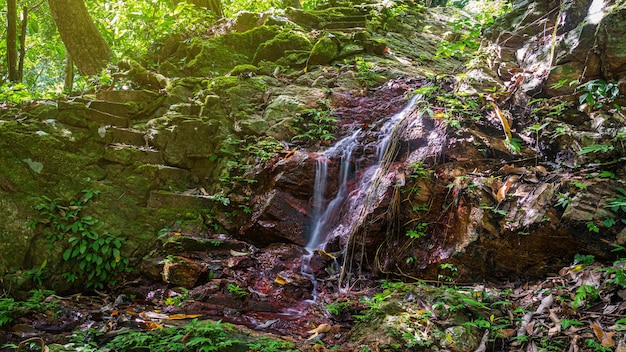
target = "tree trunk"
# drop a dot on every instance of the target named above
(80, 35)
(12, 40)
(24, 27)
(69, 75)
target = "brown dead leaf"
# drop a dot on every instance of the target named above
(183, 316)
(150, 325)
(539, 170)
(501, 195)
(504, 190)
(508, 332)
(512, 170)
(606, 338)
(281, 280)
(496, 184)
(318, 330)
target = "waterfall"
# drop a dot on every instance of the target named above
(326, 222)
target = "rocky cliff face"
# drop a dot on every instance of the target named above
(218, 141)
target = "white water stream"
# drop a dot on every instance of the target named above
(328, 221)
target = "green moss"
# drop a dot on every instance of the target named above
(247, 42)
(211, 57)
(275, 48)
(324, 51)
(243, 70)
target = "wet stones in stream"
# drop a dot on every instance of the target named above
(224, 278)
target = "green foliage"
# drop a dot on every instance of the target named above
(365, 73)
(179, 299)
(237, 290)
(94, 258)
(585, 293)
(14, 93)
(619, 202)
(420, 170)
(587, 259)
(514, 145)
(391, 12)
(337, 308)
(463, 47)
(566, 323)
(495, 210)
(597, 346)
(596, 148)
(11, 309)
(597, 93)
(592, 227)
(263, 148)
(449, 272)
(617, 273)
(563, 200)
(418, 231)
(201, 336)
(315, 124)
(266, 344)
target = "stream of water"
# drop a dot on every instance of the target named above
(328, 221)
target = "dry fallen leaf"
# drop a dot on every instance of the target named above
(606, 338)
(183, 316)
(318, 330)
(235, 253)
(281, 280)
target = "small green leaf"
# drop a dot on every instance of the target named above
(66, 254)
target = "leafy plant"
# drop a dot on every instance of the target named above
(596, 148)
(449, 272)
(619, 202)
(365, 73)
(597, 346)
(598, 93)
(195, 336)
(420, 170)
(11, 309)
(585, 293)
(178, 299)
(592, 227)
(617, 273)
(337, 308)
(263, 148)
(237, 290)
(586, 259)
(566, 323)
(418, 231)
(94, 257)
(536, 128)
(315, 124)
(563, 200)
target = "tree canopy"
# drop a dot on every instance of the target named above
(35, 44)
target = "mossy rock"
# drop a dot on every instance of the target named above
(243, 70)
(246, 43)
(210, 57)
(274, 49)
(325, 50)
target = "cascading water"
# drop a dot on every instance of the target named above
(325, 221)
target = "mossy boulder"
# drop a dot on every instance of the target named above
(325, 50)
(276, 48)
